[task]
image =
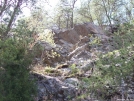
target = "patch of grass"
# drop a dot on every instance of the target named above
(46, 70)
(74, 71)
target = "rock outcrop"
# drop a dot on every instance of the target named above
(74, 35)
(68, 43)
(52, 88)
(74, 47)
(71, 39)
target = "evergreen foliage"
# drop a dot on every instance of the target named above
(15, 82)
(114, 67)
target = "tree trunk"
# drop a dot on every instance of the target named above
(107, 14)
(67, 23)
(4, 7)
(72, 22)
(72, 15)
(13, 16)
(59, 24)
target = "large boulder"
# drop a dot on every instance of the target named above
(81, 30)
(70, 42)
(94, 29)
(74, 35)
(79, 49)
(47, 54)
(52, 88)
(69, 36)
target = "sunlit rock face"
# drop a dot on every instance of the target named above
(81, 30)
(70, 42)
(79, 35)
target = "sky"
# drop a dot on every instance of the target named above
(48, 6)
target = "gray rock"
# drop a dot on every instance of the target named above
(51, 88)
(73, 81)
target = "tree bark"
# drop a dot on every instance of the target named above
(59, 22)
(107, 14)
(72, 15)
(67, 21)
(13, 16)
(91, 18)
(4, 7)
(72, 22)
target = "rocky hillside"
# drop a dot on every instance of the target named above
(60, 76)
